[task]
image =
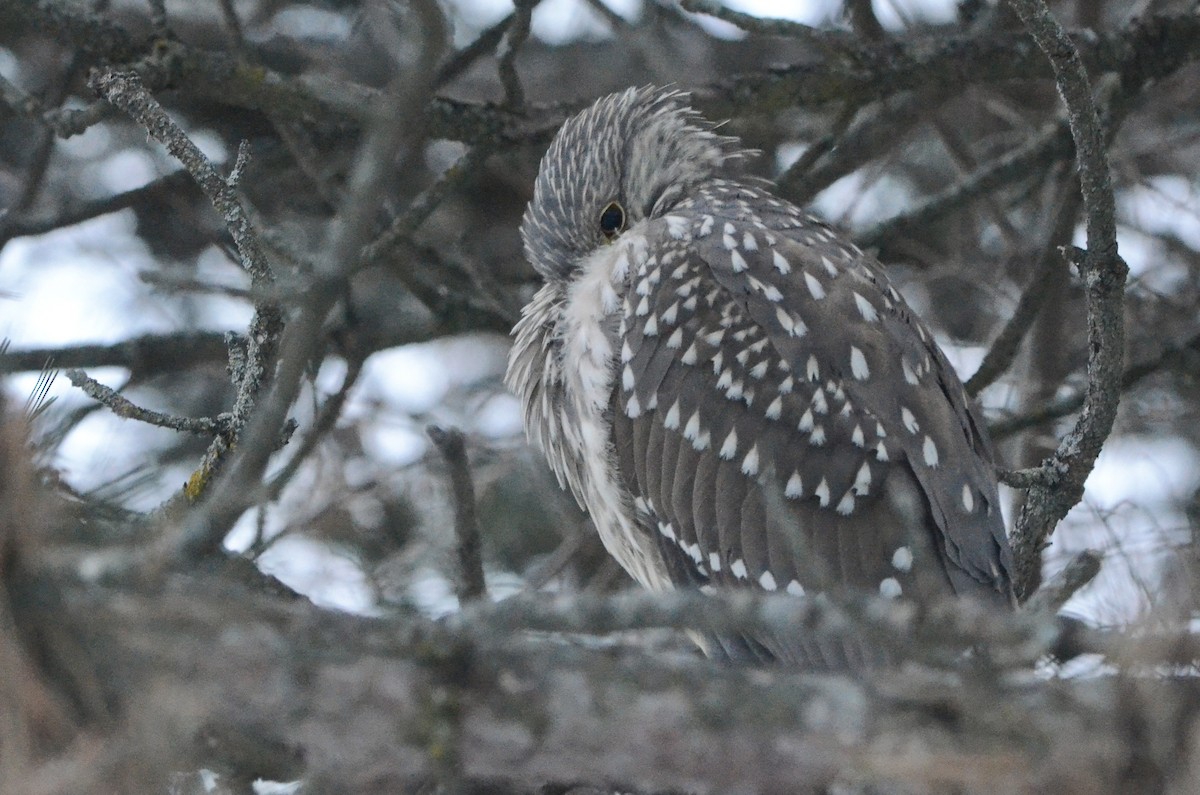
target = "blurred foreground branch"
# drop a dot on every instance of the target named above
(237, 680)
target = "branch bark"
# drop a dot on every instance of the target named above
(1104, 274)
(261, 685)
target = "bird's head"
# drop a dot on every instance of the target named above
(630, 156)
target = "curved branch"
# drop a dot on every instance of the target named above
(1104, 274)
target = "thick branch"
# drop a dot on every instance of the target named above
(374, 705)
(867, 73)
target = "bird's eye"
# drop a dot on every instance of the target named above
(612, 220)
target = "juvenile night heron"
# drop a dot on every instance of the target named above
(735, 393)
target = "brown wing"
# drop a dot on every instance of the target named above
(783, 421)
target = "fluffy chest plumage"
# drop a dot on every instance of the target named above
(587, 332)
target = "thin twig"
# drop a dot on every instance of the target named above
(818, 149)
(1036, 156)
(461, 60)
(834, 42)
(313, 165)
(452, 446)
(43, 148)
(62, 122)
(172, 282)
(233, 26)
(1004, 348)
(965, 163)
(513, 40)
(1068, 404)
(126, 409)
(68, 122)
(17, 225)
(874, 132)
(615, 21)
(326, 418)
(1104, 274)
(400, 231)
(158, 18)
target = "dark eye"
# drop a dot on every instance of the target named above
(612, 220)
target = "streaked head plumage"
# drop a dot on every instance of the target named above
(641, 148)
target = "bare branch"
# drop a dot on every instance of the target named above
(1004, 348)
(326, 418)
(484, 43)
(451, 444)
(125, 90)
(1104, 274)
(1170, 356)
(145, 355)
(396, 135)
(834, 42)
(399, 232)
(18, 225)
(1035, 156)
(233, 25)
(1082, 569)
(1156, 45)
(123, 407)
(511, 43)
(850, 145)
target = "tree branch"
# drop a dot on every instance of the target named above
(126, 409)
(146, 355)
(125, 90)
(451, 444)
(397, 133)
(1004, 348)
(1170, 355)
(375, 704)
(1104, 274)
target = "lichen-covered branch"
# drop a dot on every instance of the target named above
(263, 685)
(396, 134)
(1103, 273)
(127, 409)
(125, 90)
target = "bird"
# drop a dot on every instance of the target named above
(735, 392)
